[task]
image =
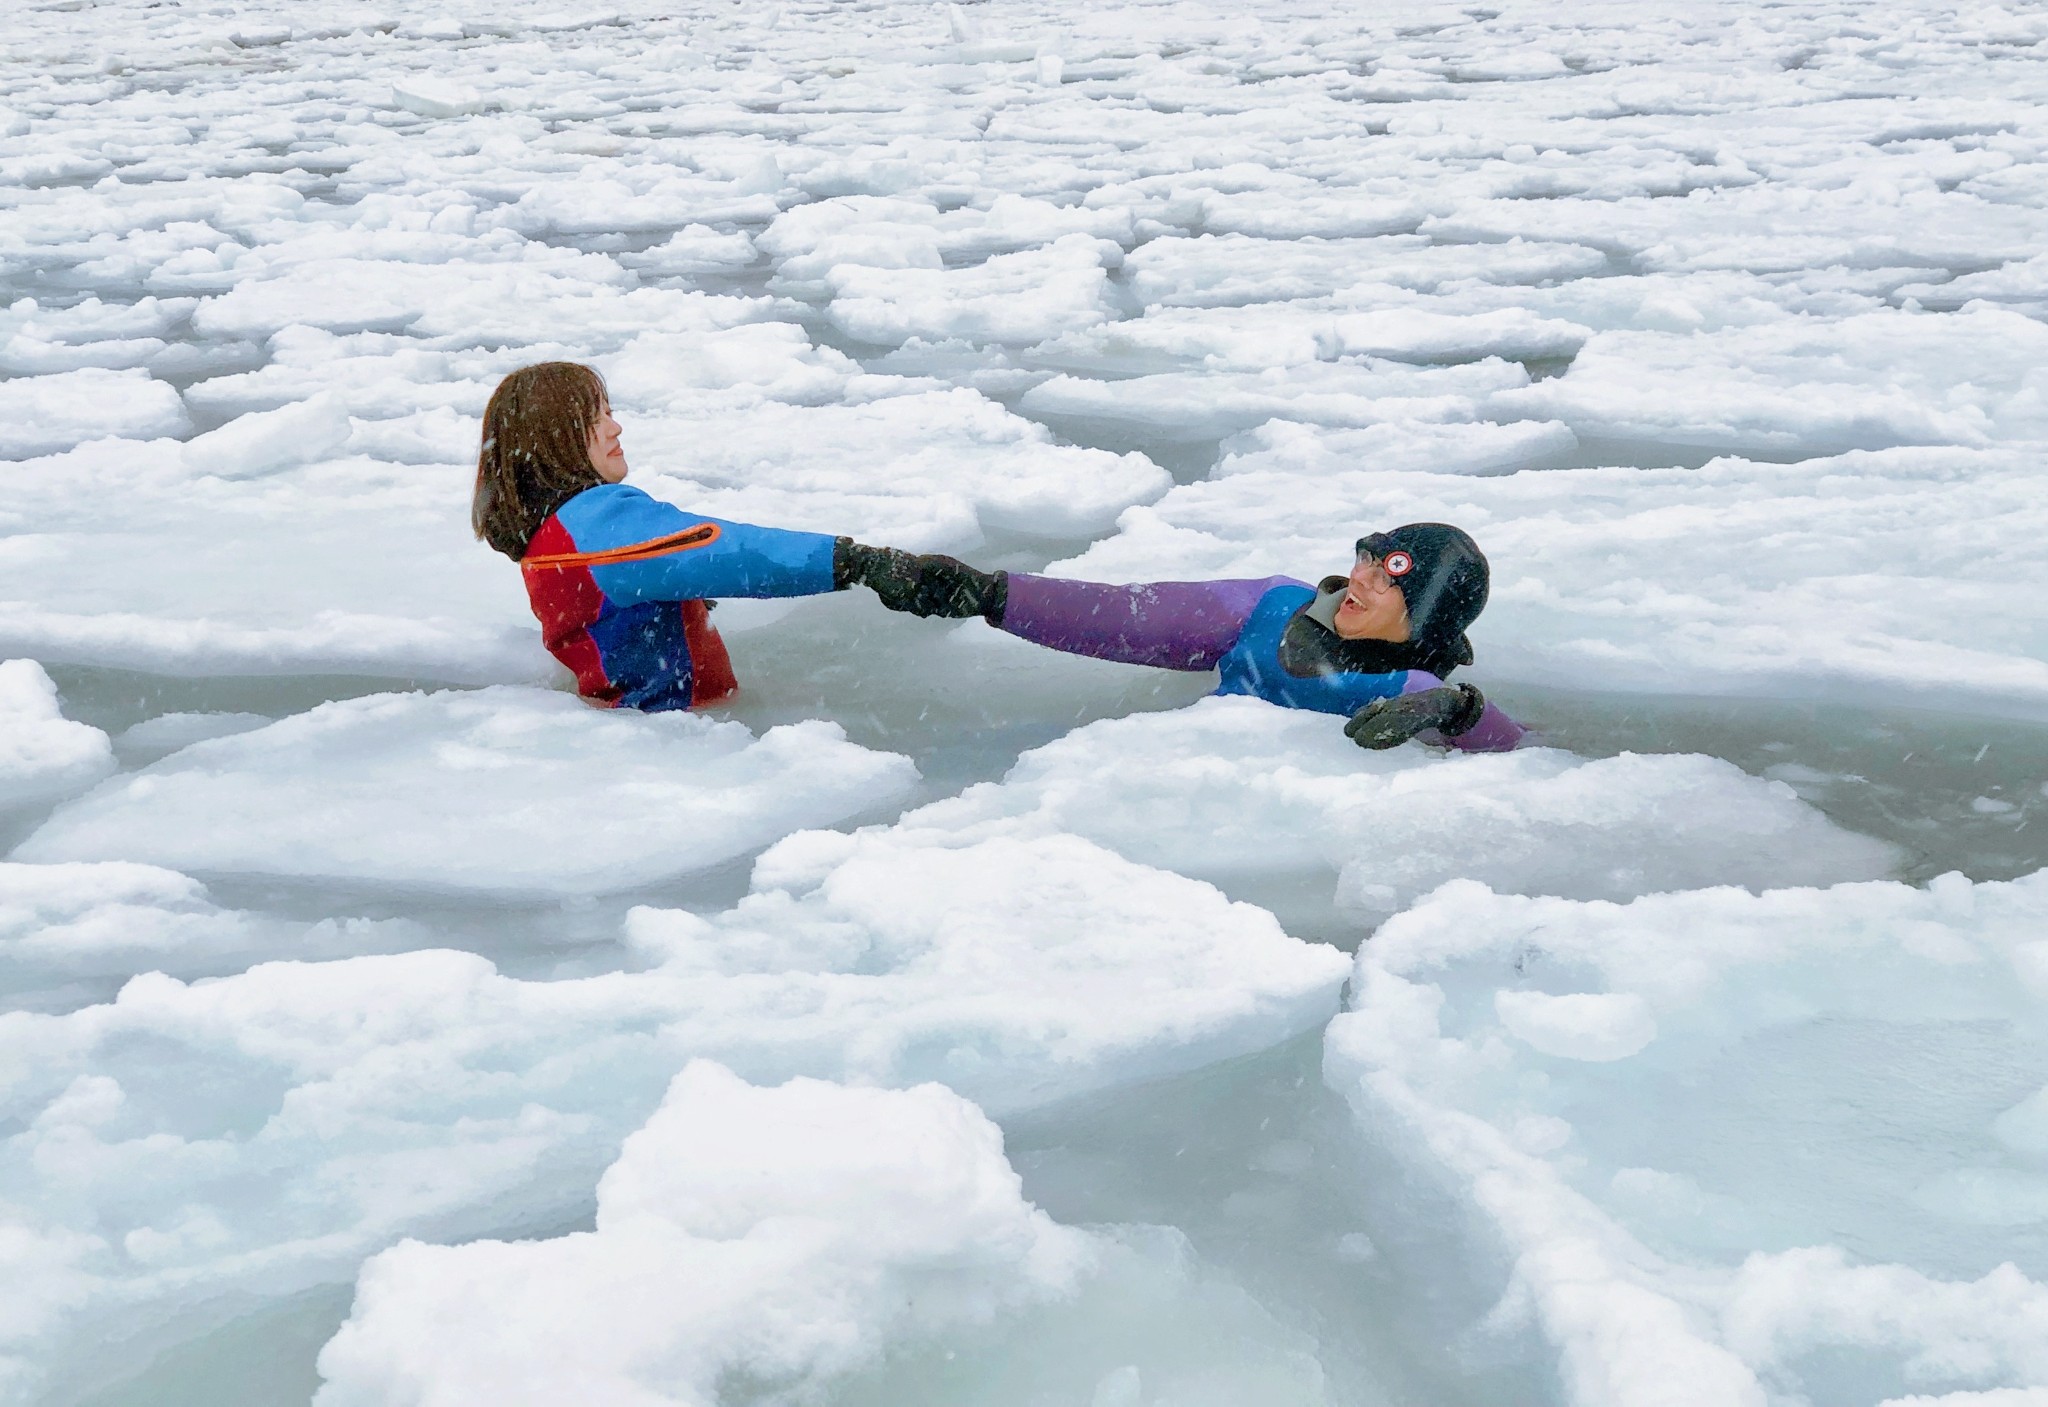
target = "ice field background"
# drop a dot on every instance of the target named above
(948, 1021)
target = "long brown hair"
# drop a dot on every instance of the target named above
(536, 450)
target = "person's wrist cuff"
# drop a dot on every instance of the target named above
(847, 560)
(1472, 706)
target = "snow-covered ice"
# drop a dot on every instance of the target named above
(69, 929)
(957, 468)
(1751, 1144)
(784, 1235)
(795, 1236)
(298, 1116)
(44, 755)
(119, 557)
(65, 408)
(329, 918)
(1280, 802)
(1183, 405)
(167, 732)
(500, 791)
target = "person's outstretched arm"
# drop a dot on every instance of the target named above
(638, 548)
(1169, 624)
(1187, 625)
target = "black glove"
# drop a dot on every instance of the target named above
(924, 584)
(1451, 709)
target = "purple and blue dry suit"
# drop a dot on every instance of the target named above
(1233, 627)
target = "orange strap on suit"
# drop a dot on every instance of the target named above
(702, 535)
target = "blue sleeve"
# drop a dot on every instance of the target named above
(743, 561)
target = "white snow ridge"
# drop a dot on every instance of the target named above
(777, 1234)
(943, 1019)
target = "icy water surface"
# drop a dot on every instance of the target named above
(945, 1020)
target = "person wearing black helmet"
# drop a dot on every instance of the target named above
(1374, 645)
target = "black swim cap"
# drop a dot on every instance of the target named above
(1443, 580)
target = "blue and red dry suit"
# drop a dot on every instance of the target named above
(1248, 631)
(620, 584)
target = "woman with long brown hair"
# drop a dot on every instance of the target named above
(620, 581)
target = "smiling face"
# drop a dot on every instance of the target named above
(1373, 607)
(607, 456)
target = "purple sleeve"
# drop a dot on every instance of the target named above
(1494, 732)
(1172, 624)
